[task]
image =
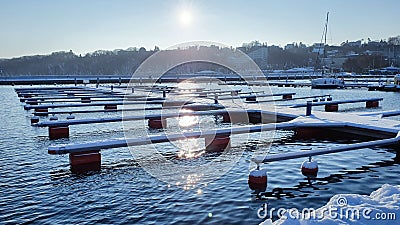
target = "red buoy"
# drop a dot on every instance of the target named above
(309, 168)
(258, 180)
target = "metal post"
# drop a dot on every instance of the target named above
(308, 109)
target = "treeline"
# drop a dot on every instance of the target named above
(125, 62)
(359, 57)
(67, 63)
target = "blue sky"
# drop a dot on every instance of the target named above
(43, 26)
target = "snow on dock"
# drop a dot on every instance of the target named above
(127, 118)
(335, 102)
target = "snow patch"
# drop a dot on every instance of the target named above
(384, 202)
(258, 173)
(309, 165)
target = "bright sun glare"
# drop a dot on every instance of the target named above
(186, 18)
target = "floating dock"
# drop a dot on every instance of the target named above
(265, 117)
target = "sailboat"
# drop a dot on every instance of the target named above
(326, 82)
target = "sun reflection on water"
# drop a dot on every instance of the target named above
(187, 121)
(189, 148)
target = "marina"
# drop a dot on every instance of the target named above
(288, 119)
(200, 112)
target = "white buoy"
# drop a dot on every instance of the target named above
(309, 168)
(258, 180)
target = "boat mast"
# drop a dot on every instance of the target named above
(324, 34)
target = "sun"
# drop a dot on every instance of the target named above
(186, 18)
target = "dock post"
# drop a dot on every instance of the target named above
(32, 102)
(287, 96)
(217, 143)
(58, 132)
(34, 119)
(75, 81)
(164, 94)
(308, 108)
(203, 95)
(251, 99)
(331, 108)
(216, 99)
(82, 162)
(157, 123)
(85, 100)
(254, 117)
(97, 83)
(372, 104)
(110, 107)
(44, 111)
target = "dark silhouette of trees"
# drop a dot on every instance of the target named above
(67, 63)
(361, 56)
(361, 63)
(279, 58)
